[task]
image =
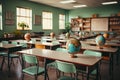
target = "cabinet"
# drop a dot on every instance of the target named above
(96, 24)
(86, 24)
(114, 23)
(78, 24)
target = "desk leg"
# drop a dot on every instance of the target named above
(98, 75)
(111, 66)
(8, 64)
(87, 69)
(117, 57)
(45, 66)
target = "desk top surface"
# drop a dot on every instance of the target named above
(104, 49)
(38, 42)
(2, 45)
(108, 43)
(55, 55)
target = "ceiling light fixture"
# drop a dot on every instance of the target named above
(107, 3)
(67, 1)
(77, 6)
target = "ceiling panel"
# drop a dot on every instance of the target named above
(55, 3)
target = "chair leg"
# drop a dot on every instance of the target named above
(57, 73)
(3, 60)
(47, 76)
(35, 77)
(82, 76)
(20, 61)
(22, 76)
(12, 62)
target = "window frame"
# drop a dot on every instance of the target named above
(1, 22)
(27, 17)
(47, 18)
(61, 20)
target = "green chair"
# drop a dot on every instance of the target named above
(24, 45)
(62, 50)
(12, 54)
(53, 64)
(2, 54)
(67, 68)
(93, 53)
(33, 70)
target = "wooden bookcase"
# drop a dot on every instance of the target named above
(78, 24)
(114, 23)
(85, 24)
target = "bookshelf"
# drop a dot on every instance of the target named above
(96, 24)
(114, 23)
(81, 24)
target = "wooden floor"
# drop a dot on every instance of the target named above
(15, 73)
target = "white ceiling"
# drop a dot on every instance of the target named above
(55, 3)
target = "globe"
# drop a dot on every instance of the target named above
(106, 35)
(27, 36)
(100, 41)
(67, 35)
(73, 45)
(52, 34)
(80, 34)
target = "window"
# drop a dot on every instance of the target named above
(0, 17)
(24, 15)
(61, 21)
(47, 20)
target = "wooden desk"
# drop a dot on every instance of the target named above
(111, 43)
(81, 59)
(49, 45)
(108, 43)
(110, 51)
(10, 48)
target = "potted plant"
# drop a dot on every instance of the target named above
(23, 25)
(67, 27)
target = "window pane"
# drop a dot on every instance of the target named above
(47, 20)
(61, 21)
(0, 17)
(24, 15)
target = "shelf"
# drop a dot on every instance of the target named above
(81, 22)
(114, 23)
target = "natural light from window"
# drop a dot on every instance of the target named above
(61, 21)
(0, 17)
(24, 15)
(47, 20)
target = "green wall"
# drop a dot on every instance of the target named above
(10, 5)
(102, 11)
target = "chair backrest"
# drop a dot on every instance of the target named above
(24, 45)
(55, 42)
(30, 59)
(5, 42)
(92, 53)
(66, 67)
(15, 43)
(61, 50)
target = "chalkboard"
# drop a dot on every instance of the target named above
(99, 24)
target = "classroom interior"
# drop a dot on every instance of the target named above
(47, 21)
